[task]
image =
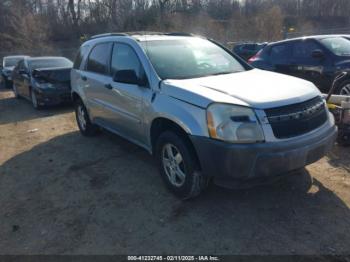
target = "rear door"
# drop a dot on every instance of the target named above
(95, 80)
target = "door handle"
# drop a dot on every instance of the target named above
(109, 86)
(84, 78)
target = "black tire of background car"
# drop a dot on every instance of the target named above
(90, 129)
(8, 84)
(343, 138)
(195, 182)
(341, 85)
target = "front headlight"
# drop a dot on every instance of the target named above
(236, 124)
(45, 85)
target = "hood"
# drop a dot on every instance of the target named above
(52, 75)
(255, 88)
(8, 68)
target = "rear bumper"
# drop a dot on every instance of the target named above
(226, 162)
(53, 97)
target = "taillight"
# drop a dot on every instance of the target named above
(254, 58)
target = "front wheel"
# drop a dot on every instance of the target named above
(34, 99)
(343, 138)
(15, 91)
(85, 126)
(178, 166)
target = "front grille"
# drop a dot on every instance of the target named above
(297, 119)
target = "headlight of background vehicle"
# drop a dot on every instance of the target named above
(236, 124)
(45, 85)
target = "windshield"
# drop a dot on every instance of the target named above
(189, 58)
(49, 63)
(9, 62)
(337, 45)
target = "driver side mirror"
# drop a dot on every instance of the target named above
(317, 54)
(128, 77)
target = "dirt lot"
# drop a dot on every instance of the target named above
(64, 193)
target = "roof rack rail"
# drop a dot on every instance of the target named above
(145, 33)
(178, 34)
(141, 33)
(108, 34)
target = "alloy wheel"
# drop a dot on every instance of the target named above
(345, 90)
(173, 165)
(34, 99)
(15, 90)
(81, 117)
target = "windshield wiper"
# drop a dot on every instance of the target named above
(223, 73)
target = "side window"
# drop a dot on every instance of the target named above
(80, 56)
(125, 58)
(20, 65)
(280, 53)
(303, 49)
(99, 58)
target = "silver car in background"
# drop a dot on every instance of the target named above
(200, 110)
(8, 64)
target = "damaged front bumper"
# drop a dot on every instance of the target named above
(229, 163)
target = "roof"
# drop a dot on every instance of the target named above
(318, 37)
(16, 56)
(144, 35)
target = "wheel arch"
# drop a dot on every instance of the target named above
(162, 124)
(75, 96)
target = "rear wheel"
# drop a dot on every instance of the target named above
(178, 166)
(83, 120)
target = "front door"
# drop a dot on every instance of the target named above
(309, 67)
(125, 101)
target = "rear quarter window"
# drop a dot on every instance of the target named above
(80, 56)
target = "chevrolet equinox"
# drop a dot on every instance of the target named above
(199, 109)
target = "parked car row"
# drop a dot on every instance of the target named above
(42, 80)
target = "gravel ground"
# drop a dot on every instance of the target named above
(61, 193)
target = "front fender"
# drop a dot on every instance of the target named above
(191, 118)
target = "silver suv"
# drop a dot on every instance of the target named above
(200, 110)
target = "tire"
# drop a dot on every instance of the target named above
(8, 84)
(343, 138)
(34, 99)
(178, 166)
(15, 91)
(2, 81)
(83, 120)
(343, 88)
